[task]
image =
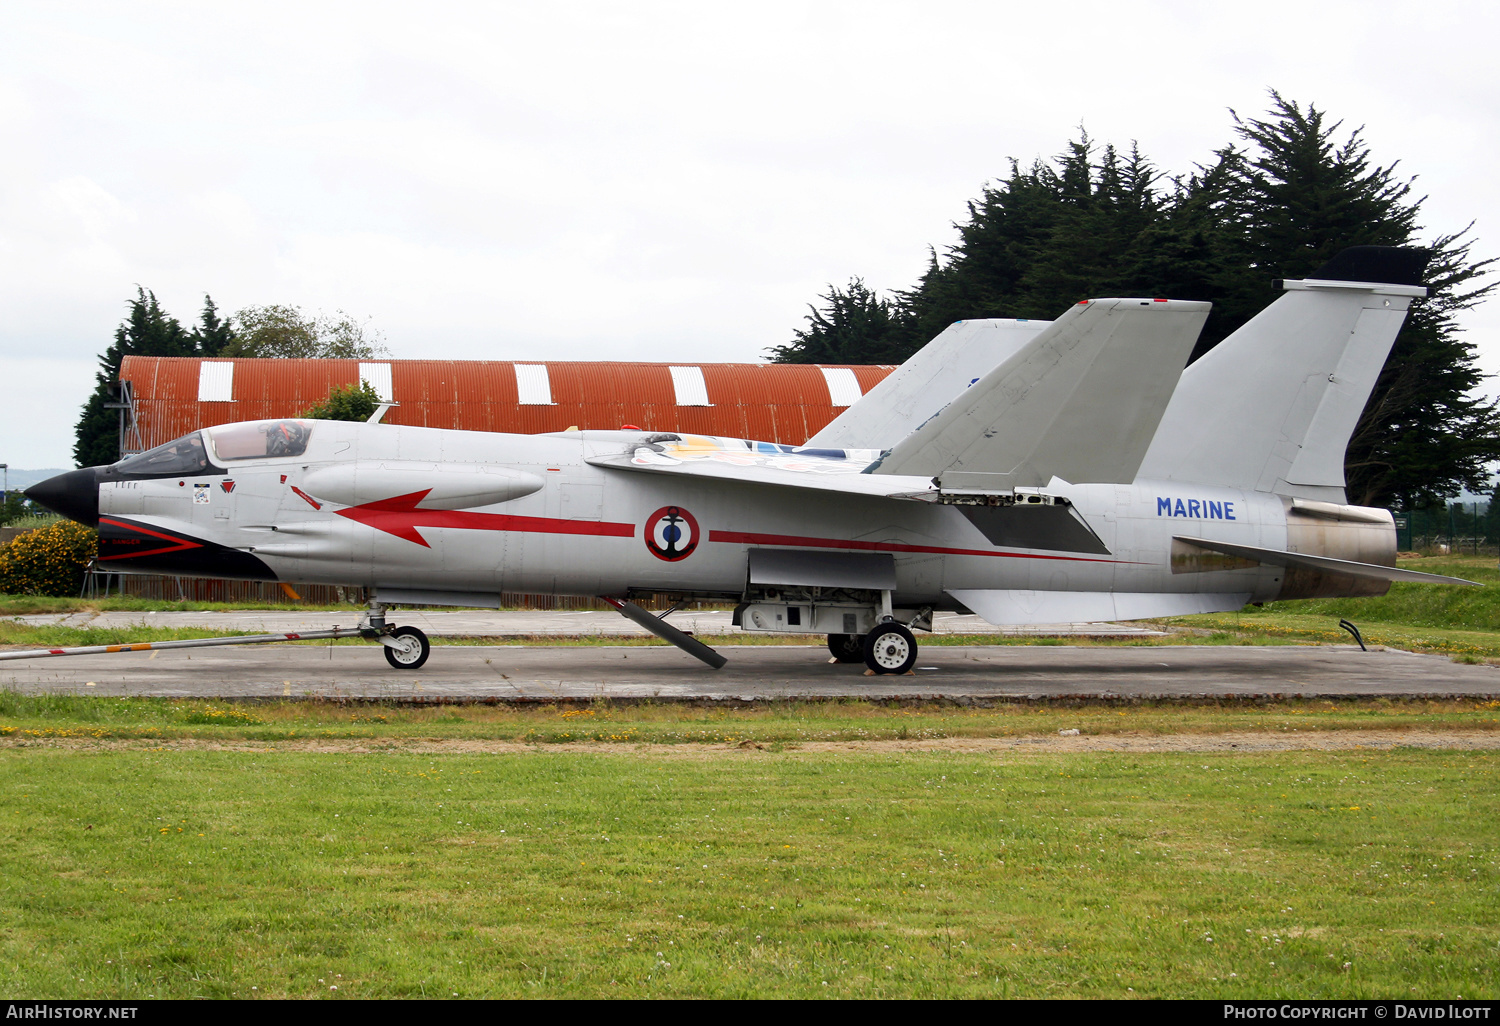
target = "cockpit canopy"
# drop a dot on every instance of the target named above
(189, 456)
(261, 439)
(182, 456)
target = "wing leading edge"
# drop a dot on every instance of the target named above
(762, 463)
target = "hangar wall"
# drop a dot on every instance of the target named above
(785, 403)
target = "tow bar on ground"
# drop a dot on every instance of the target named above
(152, 646)
(406, 648)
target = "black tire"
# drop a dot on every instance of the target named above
(890, 648)
(847, 648)
(399, 658)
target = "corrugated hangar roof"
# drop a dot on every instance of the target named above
(785, 403)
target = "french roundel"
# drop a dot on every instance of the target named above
(671, 533)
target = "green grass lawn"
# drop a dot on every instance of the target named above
(690, 871)
(1459, 620)
(141, 860)
(29, 605)
(72, 717)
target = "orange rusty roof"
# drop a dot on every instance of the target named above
(785, 403)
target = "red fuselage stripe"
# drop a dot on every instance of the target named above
(748, 538)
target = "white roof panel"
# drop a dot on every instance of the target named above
(843, 386)
(378, 376)
(690, 387)
(533, 387)
(215, 382)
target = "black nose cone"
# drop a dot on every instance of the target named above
(75, 495)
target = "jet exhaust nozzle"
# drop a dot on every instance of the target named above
(75, 495)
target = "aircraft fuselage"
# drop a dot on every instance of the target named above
(587, 530)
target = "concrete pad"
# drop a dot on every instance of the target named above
(521, 673)
(520, 623)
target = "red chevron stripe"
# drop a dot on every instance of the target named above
(400, 516)
(182, 543)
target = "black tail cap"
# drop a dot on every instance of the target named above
(1385, 265)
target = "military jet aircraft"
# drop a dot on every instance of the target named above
(1029, 472)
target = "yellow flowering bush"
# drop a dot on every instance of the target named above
(48, 561)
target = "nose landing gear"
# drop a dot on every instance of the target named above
(406, 648)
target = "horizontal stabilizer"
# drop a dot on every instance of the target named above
(930, 379)
(1014, 608)
(1302, 561)
(1081, 401)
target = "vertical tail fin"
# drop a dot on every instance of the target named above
(1271, 408)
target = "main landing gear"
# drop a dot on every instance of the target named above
(847, 648)
(889, 648)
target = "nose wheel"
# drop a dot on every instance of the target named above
(890, 648)
(406, 648)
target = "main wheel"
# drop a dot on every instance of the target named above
(890, 648)
(413, 651)
(847, 648)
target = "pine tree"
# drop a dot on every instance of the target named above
(261, 331)
(1424, 432)
(1308, 196)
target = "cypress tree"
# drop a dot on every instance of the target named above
(1308, 196)
(1292, 194)
(214, 334)
(853, 326)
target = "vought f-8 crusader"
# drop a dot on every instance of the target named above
(1025, 471)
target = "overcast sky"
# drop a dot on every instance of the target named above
(622, 181)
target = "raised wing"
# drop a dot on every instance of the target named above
(1081, 401)
(932, 378)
